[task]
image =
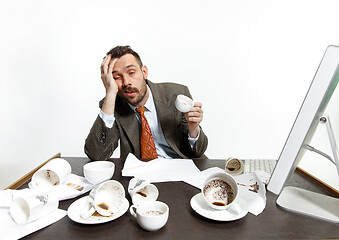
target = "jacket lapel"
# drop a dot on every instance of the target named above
(168, 117)
(129, 124)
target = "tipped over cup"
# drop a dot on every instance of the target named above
(106, 199)
(26, 210)
(53, 173)
(142, 191)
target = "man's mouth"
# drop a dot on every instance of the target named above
(130, 92)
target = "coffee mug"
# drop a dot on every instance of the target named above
(106, 199)
(142, 191)
(183, 103)
(151, 215)
(53, 173)
(25, 210)
(220, 192)
(98, 171)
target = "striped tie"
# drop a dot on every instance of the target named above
(147, 145)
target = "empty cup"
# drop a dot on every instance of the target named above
(98, 171)
(183, 103)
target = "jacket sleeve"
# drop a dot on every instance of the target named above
(202, 142)
(101, 140)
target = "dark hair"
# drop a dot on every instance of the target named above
(120, 51)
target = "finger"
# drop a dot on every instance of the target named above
(104, 64)
(111, 65)
(195, 119)
(196, 109)
(197, 104)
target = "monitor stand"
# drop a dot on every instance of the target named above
(310, 203)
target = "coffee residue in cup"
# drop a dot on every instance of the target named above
(233, 165)
(220, 191)
(218, 203)
(142, 194)
(153, 213)
(103, 206)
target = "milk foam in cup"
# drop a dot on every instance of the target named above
(151, 215)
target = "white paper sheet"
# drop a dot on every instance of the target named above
(10, 230)
(159, 170)
(252, 190)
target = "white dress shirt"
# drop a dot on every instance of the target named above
(161, 145)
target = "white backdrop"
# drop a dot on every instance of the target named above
(249, 62)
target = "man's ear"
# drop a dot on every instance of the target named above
(144, 70)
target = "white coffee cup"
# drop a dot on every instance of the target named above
(25, 210)
(151, 216)
(98, 171)
(220, 192)
(142, 191)
(106, 199)
(234, 166)
(184, 103)
(53, 173)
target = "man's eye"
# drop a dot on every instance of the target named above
(131, 73)
(116, 78)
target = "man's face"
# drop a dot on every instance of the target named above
(131, 80)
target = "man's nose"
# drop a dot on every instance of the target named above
(127, 80)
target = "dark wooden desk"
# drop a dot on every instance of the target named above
(184, 223)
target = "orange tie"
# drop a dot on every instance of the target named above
(148, 150)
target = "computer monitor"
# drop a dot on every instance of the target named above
(307, 120)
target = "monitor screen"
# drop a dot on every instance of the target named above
(313, 107)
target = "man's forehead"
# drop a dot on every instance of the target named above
(125, 62)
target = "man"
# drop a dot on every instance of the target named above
(175, 134)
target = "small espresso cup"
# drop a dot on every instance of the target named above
(183, 103)
(220, 192)
(234, 166)
(142, 191)
(151, 216)
(53, 173)
(98, 171)
(26, 210)
(106, 199)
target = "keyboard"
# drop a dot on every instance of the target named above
(266, 165)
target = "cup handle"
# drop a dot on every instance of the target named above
(88, 209)
(133, 210)
(235, 209)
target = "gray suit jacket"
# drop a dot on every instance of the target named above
(102, 141)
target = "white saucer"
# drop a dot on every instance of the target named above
(76, 207)
(200, 206)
